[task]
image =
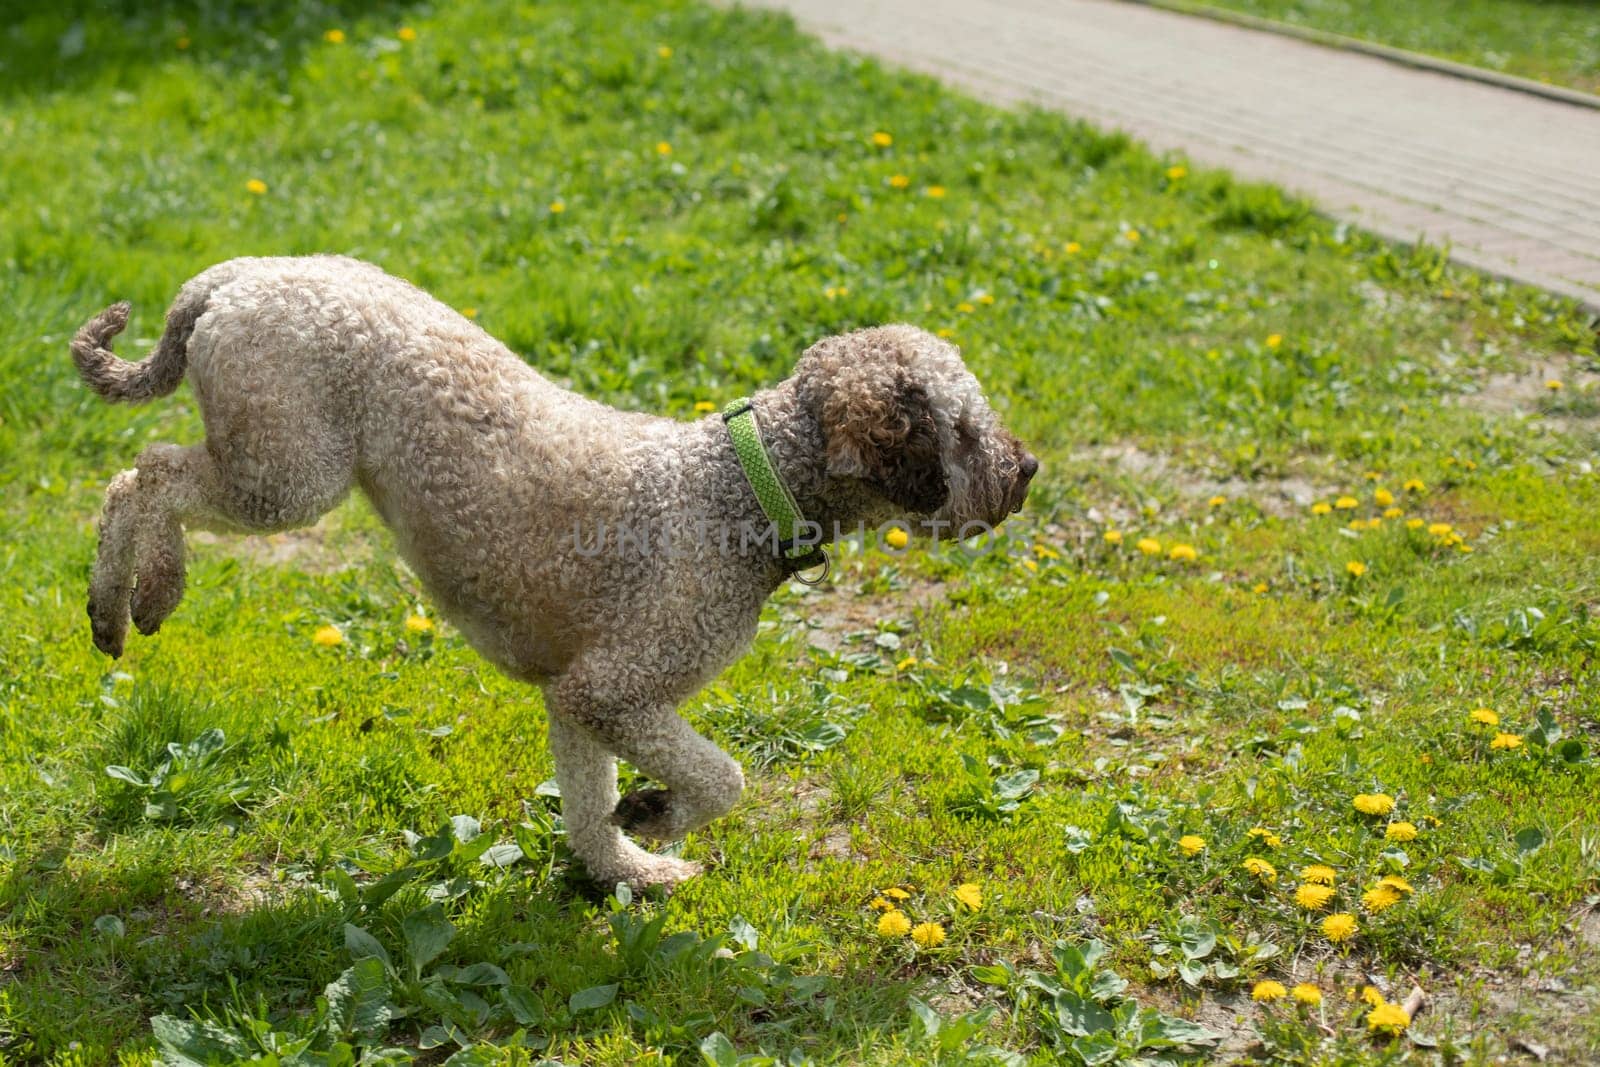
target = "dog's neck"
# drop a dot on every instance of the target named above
(794, 440)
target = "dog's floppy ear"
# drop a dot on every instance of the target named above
(878, 426)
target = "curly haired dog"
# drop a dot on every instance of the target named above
(519, 503)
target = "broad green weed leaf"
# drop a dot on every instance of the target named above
(362, 945)
(427, 933)
(590, 999)
(358, 1000)
(524, 1007)
(718, 1051)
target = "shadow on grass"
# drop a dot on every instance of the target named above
(49, 47)
(108, 950)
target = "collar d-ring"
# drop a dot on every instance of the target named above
(826, 564)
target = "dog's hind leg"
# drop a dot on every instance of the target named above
(111, 583)
(175, 486)
(141, 536)
(141, 528)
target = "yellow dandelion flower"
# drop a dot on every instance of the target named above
(906, 664)
(1413, 524)
(928, 935)
(1339, 927)
(470, 313)
(664, 51)
(1380, 897)
(1307, 994)
(1216, 501)
(1072, 248)
(896, 537)
(945, 331)
(1031, 565)
(1177, 173)
(1504, 740)
(1414, 485)
(406, 33)
(969, 895)
(1112, 537)
(1486, 716)
(1274, 340)
(1268, 991)
(328, 636)
(1373, 803)
(965, 308)
(1259, 587)
(1439, 529)
(557, 207)
(896, 893)
(1345, 503)
(1388, 1018)
(1149, 546)
(1319, 873)
(1383, 498)
(1183, 553)
(704, 407)
(663, 148)
(899, 181)
(1313, 897)
(1373, 476)
(1321, 508)
(893, 924)
(418, 624)
(1045, 552)
(1265, 872)
(256, 186)
(935, 192)
(334, 36)
(1400, 831)
(1271, 839)
(1554, 385)
(882, 139)
(1355, 568)
(985, 299)
(1371, 995)
(1397, 883)
(1131, 235)
(1190, 845)
(880, 904)
(1393, 513)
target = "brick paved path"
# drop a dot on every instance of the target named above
(1511, 180)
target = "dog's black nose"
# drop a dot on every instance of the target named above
(1029, 466)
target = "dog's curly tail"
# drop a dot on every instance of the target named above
(127, 381)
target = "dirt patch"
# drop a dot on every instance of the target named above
(1282, 497)
(1571, 408)
(830, 617)
(307, 550)
(1589, 928)
(1228, 1013)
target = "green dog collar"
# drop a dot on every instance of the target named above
(777, 503)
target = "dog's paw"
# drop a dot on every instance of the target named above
(647, 813)
(110, 630)
(664, 871)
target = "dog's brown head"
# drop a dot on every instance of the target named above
(901, 414)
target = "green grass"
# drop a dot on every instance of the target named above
(1548, 40)
(1045, 722)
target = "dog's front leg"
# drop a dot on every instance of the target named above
(587, 774)
(590, 724)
